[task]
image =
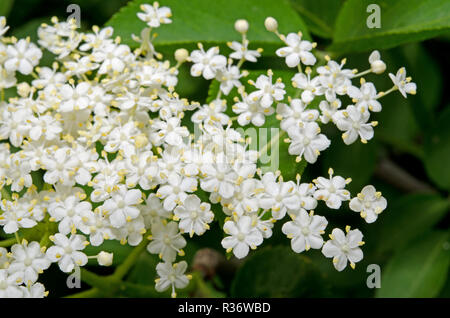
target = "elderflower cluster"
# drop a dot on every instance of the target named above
(96, 148)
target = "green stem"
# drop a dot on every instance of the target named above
(8, 242)
(106, 283)
(90, 293)
(123, 268)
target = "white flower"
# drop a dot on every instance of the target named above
(245, 199)
(69, 213)
(60, 167)
(296, 114)
(194, 216)
(9, 284)
(344, 247)
(28, 260)
(305, 193)
(243, 235)
(207, 63)
(369, 203)
(167, 241)
(171, 276)
(22, 56)
(279, 196)
(310, 87)
(305, 231)
(365, 97)
(332, 190)
(122, 139)
(153, 211)
(251, 111)
(296, 51)
(218, 177)
(74, 98)
(154, 15)
(122, 206)
(13, 125)
(66, 251)
(354, 123)
(211, 113)
(142, 170)
(267, 92)
(334, 79)
(403, 83)
(169, 131)
(229, 77)
(174, 191)
(131, 232)
(98, 39)
(307, 141)
(112, 58)
(3, 26)
(329, 110)
(241, 51)
(36, 290)
(15, 216)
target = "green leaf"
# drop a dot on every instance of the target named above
(356, 161)
(211, 21)
(319, 15)
(420, 270)
(402, 21)
(278, 157)
(437, 149)
(5, 7)
(277, 272)
(111, 246)
(406, 219)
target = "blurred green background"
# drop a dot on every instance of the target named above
(408, 159)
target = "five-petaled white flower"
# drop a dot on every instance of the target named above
(243, 236)
(171, 275)
(332, 190)
(343, 247)
(354, 123)
(369, 203)
(403, 83)
(154, 15)
(207, 63)
(194, 216)
(66, 251)
(167, 241)
(22, 56)
(306, 231)
(267, 92)
(297, 51)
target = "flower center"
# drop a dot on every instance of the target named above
(27, 261)
(194, 214)
(305, 231)
(345, 248)
(68, 250)
(241, 236)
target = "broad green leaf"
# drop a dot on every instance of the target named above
(406, 219)
(402, 21)
(319, 15)
(277, 272)
(5, 7)
(277, 157)
(420, 270)
(356, 161)
(111, 246)
(437, 149)
(211, 21)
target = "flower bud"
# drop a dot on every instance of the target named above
(181, 55)
(105, 258)
(241, 26)
(23, 89)
(378, 66)
(271, 24)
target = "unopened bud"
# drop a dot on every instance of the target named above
(105, 258)
(241, 26)
(378, 66)
(181, 55)
(271, 24)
